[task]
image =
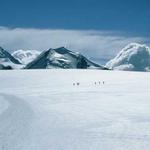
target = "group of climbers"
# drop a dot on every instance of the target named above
(96, 83)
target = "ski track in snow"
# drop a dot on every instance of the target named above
(14, 123)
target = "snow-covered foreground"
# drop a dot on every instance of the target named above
(42, 110)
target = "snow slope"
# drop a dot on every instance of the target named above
(42, 110)
(134, 57)
(25, 56)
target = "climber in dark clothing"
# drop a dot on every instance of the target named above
(78, 83)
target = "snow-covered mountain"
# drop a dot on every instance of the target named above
(61, 58)
(134, 57)
(25, 56)
(7, 61)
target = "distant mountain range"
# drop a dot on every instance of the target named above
(133, 57)
(53, 58)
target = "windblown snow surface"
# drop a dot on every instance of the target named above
(42, 110)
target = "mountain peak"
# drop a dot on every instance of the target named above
(134, 56)
(61, 58)
(25, 56)
(135, 46)
(1, 48)
(7, 61)
(2, 52)
(62, 50)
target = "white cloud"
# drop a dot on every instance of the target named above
(96, 44)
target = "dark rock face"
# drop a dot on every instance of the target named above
(82, 63)
(5, 55)
(7, 61)
(2, 67)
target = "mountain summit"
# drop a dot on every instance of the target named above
(61, 58)
(134, 57)
(25, 56)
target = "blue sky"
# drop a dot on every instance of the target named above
(132, 16)
(96, 28)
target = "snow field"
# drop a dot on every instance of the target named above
(41, 109)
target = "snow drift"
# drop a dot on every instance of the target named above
(134, 57)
